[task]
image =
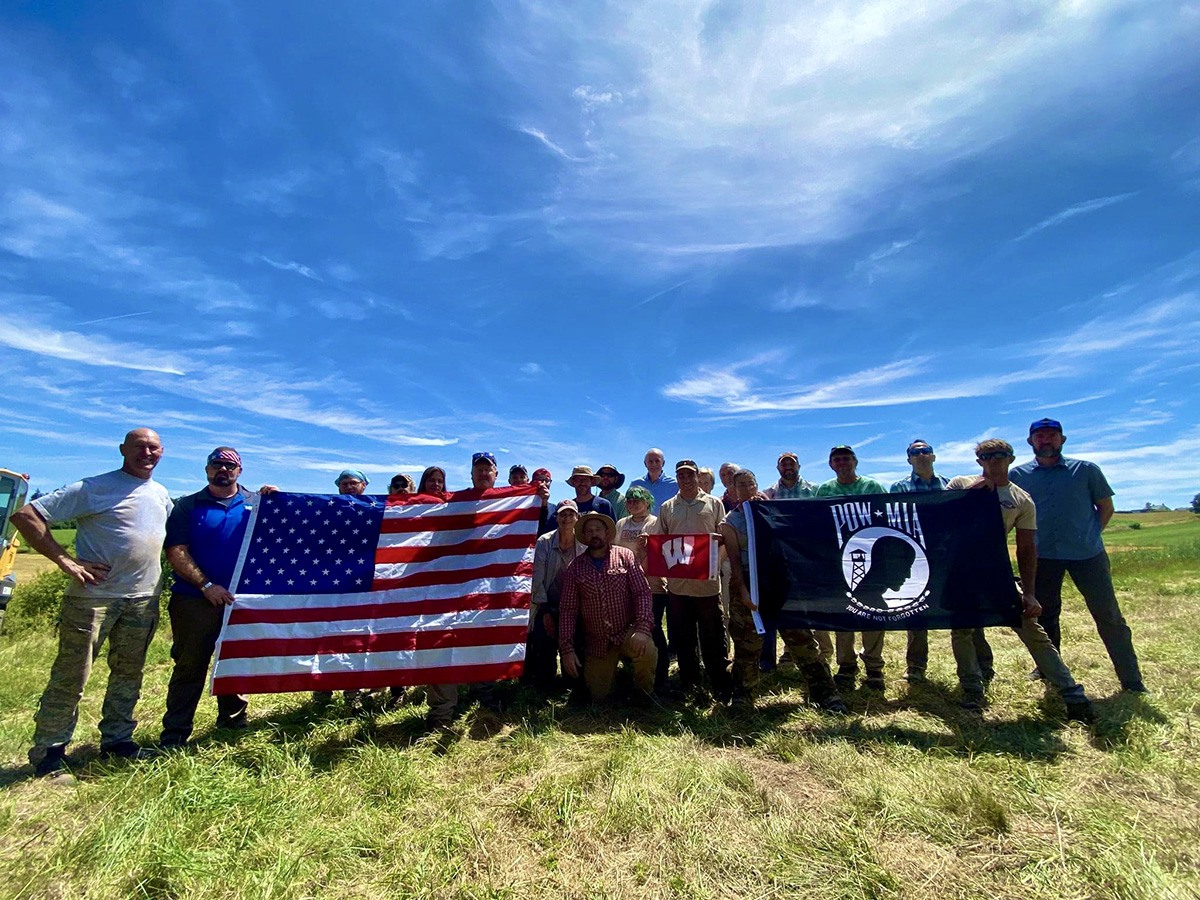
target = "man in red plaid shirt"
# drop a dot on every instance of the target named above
(606, 594)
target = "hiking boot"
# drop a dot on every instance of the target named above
(915, 676)
(874, 681)
(972, 701)
(1081, 711)
(130, 750)
(845, 679)
(1135, 687)
(53, 768)
(822, 689)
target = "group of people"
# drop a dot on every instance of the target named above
(592, 603)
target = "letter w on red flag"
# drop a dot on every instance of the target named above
(338, 592)
(682, 556)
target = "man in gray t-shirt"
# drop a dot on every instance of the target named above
(116, 577)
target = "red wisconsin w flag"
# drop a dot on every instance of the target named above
(338, 592)
(682, 556)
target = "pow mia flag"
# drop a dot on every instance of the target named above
(882, 562)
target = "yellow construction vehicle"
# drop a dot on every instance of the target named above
(13, 488)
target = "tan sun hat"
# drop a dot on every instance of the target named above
(583, 472)
(610, 527)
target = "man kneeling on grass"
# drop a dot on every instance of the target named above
(605, 592)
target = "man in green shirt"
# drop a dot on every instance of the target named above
(848, 482)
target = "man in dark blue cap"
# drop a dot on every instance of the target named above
(1074, 503)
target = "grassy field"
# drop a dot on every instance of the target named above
(907, 797)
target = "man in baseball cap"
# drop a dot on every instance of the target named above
(1074, 503)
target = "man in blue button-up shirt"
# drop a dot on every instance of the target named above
(1074, 503)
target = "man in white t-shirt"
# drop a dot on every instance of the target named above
(1017, 507)
(116, 579)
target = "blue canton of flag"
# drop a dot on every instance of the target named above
(313, 545)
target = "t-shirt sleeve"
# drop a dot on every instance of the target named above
(960, 482)
(1027, 515)
(70, 502)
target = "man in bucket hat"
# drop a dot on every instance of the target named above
(605, 591)
(610, 489)
(583, 481)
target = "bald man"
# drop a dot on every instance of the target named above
(116, 579)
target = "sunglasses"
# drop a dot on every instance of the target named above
(224, 464)
(476, 457)
(993, 454)
(921, 451)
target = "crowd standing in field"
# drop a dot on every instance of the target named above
(591, 606)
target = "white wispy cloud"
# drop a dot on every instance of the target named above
(89, 349)
(1079, 209)
(290, 266)
(540, 137)
(728, 127)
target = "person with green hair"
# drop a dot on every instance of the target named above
(638, 503)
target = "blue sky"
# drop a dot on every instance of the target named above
(388, 235)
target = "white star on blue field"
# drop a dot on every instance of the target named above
(385, 236)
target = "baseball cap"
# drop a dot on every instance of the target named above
(1045, 423)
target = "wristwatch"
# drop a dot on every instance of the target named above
(205, 586)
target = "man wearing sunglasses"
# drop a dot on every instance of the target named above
(1075, 503)
(204, 536)
(922, 479)
(1018, 511)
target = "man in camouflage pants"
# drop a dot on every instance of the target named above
(113, 596)
(747, 642)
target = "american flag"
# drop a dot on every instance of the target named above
(338, 592)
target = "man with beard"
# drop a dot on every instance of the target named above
(605, 591)
(204, 537)
(1074, 504)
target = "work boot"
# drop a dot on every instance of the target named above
(845, 678)
(822, 690)
(53, 767)
(1081, 711)
(972, 701)
(130, 750)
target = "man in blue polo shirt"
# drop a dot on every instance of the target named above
(204, 536)
(1074, 503)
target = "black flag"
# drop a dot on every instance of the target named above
(883, 561)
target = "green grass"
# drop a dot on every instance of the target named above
(65, 536)
(907, 797)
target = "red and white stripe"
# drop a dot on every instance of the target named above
(449, 604)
